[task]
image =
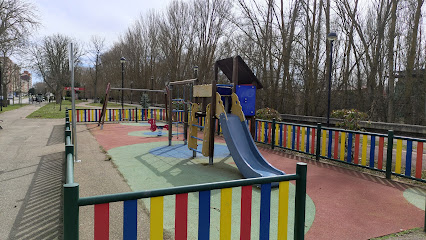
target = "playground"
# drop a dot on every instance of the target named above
(341, 203)
(192, 143)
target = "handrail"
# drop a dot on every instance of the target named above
(184, 189)
(70, 169)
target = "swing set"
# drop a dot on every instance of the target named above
(205, 100)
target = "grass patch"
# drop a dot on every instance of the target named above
(110, 105)
(12, 107)
(51, 110)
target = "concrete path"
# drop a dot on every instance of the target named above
(32, 175)
(31, 155)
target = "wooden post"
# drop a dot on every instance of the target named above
(104, 107)
(235, 73)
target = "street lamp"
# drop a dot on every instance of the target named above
(131, 93)
(122, 60)
(331, 37)
(195, 71)
(1, 90)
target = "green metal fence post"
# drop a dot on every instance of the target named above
(389, 155)
(318, 145)
(299, 218)
(136, 114)
(71, 213)
(273, 134)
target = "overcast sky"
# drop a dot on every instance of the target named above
(81, 19)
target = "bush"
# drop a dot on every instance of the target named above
(351, 118)
(144, 102)
(268, 114)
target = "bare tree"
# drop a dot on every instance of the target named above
(17, 19)
(391, 50)
(97, 46)
(411, 78)
(50, 59)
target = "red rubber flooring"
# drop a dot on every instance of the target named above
(349, 204)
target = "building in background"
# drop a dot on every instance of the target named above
(10, 78)
(26, 82)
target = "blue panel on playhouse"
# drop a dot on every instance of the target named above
(224, 89)
(247, 96)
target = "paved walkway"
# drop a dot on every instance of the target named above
(30, 175)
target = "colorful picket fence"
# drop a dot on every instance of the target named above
(300, 138)
(118, 115)
(72, 203)
(156, 223)
(364, 149)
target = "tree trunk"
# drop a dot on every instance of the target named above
(411, 57)
(391, 82)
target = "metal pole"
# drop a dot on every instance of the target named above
(318, 143)
(74, 118)
(71, 214)
(300, 202)
(389, 155)
(212, 114)
(273, 133)
(122, 84)
(170, 114)
(131, 93)
(185, 117)
(329, 83)
(1, 90)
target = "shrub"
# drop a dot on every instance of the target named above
(351, 118)
(144, 102)
(268, 114)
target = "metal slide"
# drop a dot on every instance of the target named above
(243, 149)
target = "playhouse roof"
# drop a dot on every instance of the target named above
(245, 74)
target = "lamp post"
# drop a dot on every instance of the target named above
(195, 71)
(131, 93)
(152, 86)
(122, 60)
(1, 90)
(331, 37)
